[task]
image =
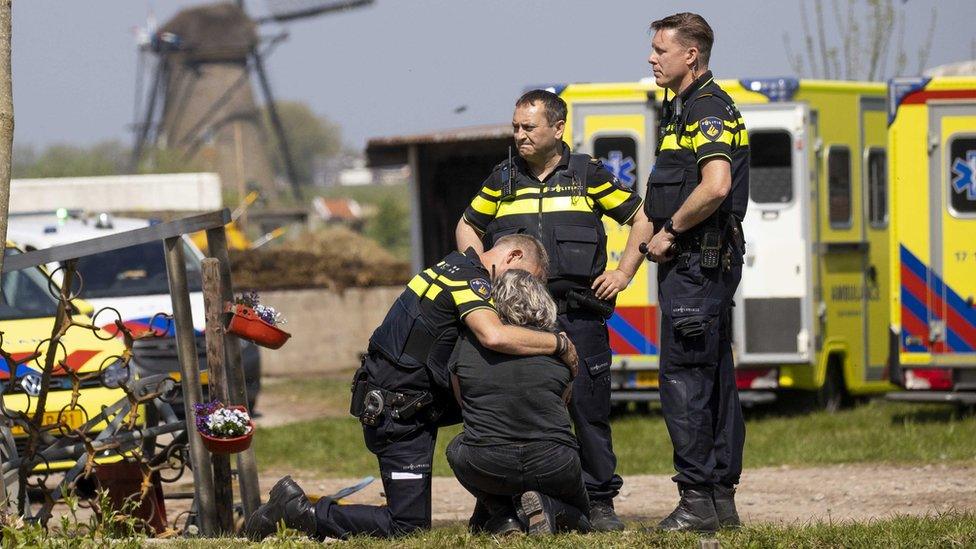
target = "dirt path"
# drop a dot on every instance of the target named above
(772, 495)
(775, 494)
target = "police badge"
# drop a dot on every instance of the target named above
(711, 127)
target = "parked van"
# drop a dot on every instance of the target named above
(132, 281)
(932, 140)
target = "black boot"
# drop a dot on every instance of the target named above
(502, 525)
(694, 513)
(603, 518)
(542, 514)
(479, 517)
(286, 502)
(535, 514)
(724, 497)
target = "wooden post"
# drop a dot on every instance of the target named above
(203, 483)
(213, 305)
(247, 470)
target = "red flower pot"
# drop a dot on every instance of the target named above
(244, 322)
(229, 445)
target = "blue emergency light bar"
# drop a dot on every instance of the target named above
(776, 89)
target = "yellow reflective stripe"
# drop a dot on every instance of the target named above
(455, 283)
(484, 206)
(700, 140)
(743, 138)
(549, 204)
(430, 273)
(528, 190)
(670, 142)
(433, 292)
(491, 192)
(418, 285)
(613, 199)
(600, 189)
(465, 296)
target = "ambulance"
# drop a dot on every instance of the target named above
(27, 312)
(932, 140)
(811, 312)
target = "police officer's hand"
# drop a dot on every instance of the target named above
(569, 356)
(610, 283)
(659, 248)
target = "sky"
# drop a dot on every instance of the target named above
(406, 66)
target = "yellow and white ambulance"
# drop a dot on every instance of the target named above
(27, 312)
(811, 312)
(932, 141)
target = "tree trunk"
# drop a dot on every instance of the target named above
(6, 121)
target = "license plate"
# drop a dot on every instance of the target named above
(204, 376)
(72, 418)
(646, 380)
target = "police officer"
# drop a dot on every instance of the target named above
(561, 198)
(402, 394)
(696, 199)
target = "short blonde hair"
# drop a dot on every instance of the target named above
(532, 249)
(523, 300)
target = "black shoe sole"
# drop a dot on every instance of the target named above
(536, 518)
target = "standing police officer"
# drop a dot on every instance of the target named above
(402, 392)
(696, 198)
(560, 198)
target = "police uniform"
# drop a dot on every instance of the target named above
(402, 394)
(697, 378)
(565, 213)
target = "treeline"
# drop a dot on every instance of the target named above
(312, 137)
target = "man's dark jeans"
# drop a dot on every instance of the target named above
(496, 474)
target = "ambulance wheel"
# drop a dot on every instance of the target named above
(832, 396)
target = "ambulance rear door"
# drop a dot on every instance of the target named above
(951, 276)
(623, 135)
(772, 320)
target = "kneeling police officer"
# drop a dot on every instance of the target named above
(402, 392)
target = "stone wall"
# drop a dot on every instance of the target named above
(328, 329)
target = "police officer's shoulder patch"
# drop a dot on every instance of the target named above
(481, 287)
(711, 127)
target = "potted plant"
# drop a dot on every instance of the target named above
(224, 429)
(249, 319)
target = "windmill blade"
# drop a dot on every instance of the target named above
(143, 128)
(279, 128)
(290, 10)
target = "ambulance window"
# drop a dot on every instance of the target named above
(770, 167)
(619, 156)
(877, 188)
(839, 186)
(962, 176)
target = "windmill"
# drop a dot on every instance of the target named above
(199, 103)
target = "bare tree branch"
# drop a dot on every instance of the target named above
(926, 49)
(822, 38)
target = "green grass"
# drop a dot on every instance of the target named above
(949, 530)
(876, 432)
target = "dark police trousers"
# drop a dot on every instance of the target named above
(590, 404)
(405, 450)
(496, 474)
(697, 378)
